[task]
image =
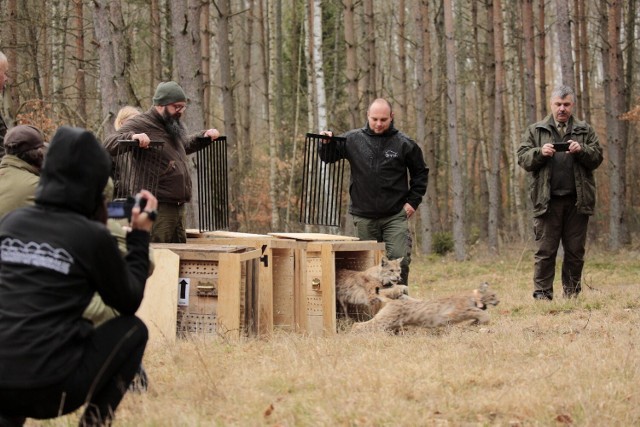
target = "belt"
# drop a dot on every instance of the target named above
(172, 203)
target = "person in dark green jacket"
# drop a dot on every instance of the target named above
(560, 153)
(20, 167)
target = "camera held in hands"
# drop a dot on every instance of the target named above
(140, 202)
(561, 146)
(121, 208)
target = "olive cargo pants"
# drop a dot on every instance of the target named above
(394, 232)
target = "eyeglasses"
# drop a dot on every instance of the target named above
(179, 108)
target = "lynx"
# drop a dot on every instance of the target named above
(364, 287)
(430, 314)
(388, 271)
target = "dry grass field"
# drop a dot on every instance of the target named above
(565, 362)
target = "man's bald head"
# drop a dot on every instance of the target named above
(380, 115)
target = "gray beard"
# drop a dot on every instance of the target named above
(174, 127)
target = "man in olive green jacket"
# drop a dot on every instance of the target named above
(20, 167)
(561, 153)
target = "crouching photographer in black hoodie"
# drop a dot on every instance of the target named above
(53, 257)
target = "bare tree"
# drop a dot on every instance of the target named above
(59, 14)
(496, 146)
(185, 18)
(228, 103)
(10, 33)
(205, 55)
(426, 233)
(81, 83)
(528, 25)
(457, 186)
(108, 22)
(402, 59)
(585, 98)
(563, 27)
(542, 58)
(371, 90)
(156, 45)
(351, 63)
(244, 143)
(614, 97)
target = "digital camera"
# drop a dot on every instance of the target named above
(561, 146)
(121, 208)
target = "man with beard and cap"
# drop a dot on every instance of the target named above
(53, 257)
(383, 195)
(162, 123)
(20, 167)
(4, 66)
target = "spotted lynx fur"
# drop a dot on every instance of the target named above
(395, 315)
(364, 287)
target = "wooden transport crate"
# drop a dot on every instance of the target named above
(299, 273)
(215, 289)
(279, 277)
(322, 255)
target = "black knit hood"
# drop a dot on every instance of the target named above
(75, 172)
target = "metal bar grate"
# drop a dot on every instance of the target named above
(322, 184)
(135, 168)
(213, 186)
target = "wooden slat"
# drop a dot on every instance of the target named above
(160, 303)
(360, 245)
(300, 291)
(327, 285)
(229, 279)
(313, 236)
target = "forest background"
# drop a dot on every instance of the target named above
(465, 78)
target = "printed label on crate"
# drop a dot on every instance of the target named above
(183, 291)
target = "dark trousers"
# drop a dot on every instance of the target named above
(394, 232)
(112, 355)
(561, 223)
(170, 225)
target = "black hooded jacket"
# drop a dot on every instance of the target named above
(53, 257)
(380, 184)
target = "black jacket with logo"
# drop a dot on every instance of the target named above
(387, 170)
(53, 257)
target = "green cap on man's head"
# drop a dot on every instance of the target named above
(168, 93)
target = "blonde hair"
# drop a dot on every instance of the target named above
(125, 114)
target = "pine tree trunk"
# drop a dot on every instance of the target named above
(530, 60)
(228, 106)
(563, 29)
(457, 186)
(421, 90)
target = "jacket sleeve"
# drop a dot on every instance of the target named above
(111, 142)
(121, 281)
(332, 151)
(591, 155)
(530, 156)
(418, 176)
(196, 142)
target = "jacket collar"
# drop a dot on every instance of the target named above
(391, 131)
(9, 160)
